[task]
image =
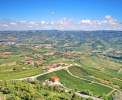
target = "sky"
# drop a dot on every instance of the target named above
(61, 14)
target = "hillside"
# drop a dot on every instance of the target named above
(88, 65)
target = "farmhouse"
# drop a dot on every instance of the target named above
(53, 66)
(53, 81)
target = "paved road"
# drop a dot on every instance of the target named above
(34, 77)
(87, 96)
(56, 69)
(66, 67)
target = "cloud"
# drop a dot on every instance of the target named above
(22, 21)
(107, 23)
(89, 22)
(32, 23)
(5, 25)
(13, 23)
(64, 23)
(85, 21)
(30, 26)
(111, 21)
(44, 22)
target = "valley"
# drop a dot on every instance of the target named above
(86, 62)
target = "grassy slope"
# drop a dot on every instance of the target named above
(19, 74)
(78, 84)
(99, 67)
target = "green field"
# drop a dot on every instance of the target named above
(93, 55)
(20, 74)
(94, 74)
(78, 84)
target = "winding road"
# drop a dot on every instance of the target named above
(66, 68)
